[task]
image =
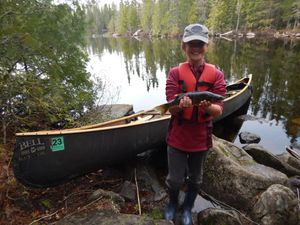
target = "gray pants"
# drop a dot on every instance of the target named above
(185, 165)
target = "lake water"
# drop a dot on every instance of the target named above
(135, 73)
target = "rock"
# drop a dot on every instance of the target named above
(150, 180)
(117, 110)
(263, 156)
(292, 161)
(218, 216)
(114, 201)
(103, 113)
(108, 218)
(128, 191)
(116, 198)
(250, 35)
(232, 176)
(138, 32)
(248, 138)
(115, 35)
(295, 184)
(276, 206)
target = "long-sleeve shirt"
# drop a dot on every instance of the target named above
(189, 135)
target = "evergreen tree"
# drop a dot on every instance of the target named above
(133, 19)
(222, 15)
(122, 19)
(113, 22)
(157, 17)
(290, 13)
(146, 15)
(174, 19)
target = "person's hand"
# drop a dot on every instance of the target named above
(205, 104)
(185, 102)
(212, 109)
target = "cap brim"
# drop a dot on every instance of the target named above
(195, 37)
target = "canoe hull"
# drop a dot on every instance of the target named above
(37, 162)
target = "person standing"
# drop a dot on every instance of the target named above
(189, 136)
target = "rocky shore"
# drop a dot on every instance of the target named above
(247, 185)
(241, 186)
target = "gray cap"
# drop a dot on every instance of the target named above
(195, 32)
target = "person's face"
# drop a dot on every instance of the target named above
(195, 50)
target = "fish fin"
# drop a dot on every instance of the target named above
(162, 109)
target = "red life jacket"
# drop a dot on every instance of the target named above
(187, 82)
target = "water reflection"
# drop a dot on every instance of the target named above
(142, 58)
(273, 63)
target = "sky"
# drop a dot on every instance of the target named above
(100, 2)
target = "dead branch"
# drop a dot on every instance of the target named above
(44, 217)
(137, 192)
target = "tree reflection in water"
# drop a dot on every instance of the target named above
(273, 63)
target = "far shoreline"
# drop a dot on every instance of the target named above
(259, 34)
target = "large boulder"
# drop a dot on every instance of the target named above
(218, 216)
(292, 161)
(276, 206)
(263, 156)
(96, 217)
(117, 110)
(232, 176)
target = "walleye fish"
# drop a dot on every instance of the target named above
(195, 96)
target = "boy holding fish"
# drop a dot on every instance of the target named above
(194, 93)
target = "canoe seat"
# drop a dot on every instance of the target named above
(145, 118)
(141, 119)
(230, 93)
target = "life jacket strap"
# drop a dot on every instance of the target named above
(183, 86)
(203, 83)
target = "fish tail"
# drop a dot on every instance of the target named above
(162, 108)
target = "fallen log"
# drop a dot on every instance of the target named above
(226, 33)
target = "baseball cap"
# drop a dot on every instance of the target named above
(195, 32)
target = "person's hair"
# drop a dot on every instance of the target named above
(182, 45)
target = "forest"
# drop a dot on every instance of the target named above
(43, 77)
(167, 18)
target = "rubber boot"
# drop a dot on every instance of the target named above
(188, 204)
(170, 210)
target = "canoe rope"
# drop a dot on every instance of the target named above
(223, 205)
(137, 192)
